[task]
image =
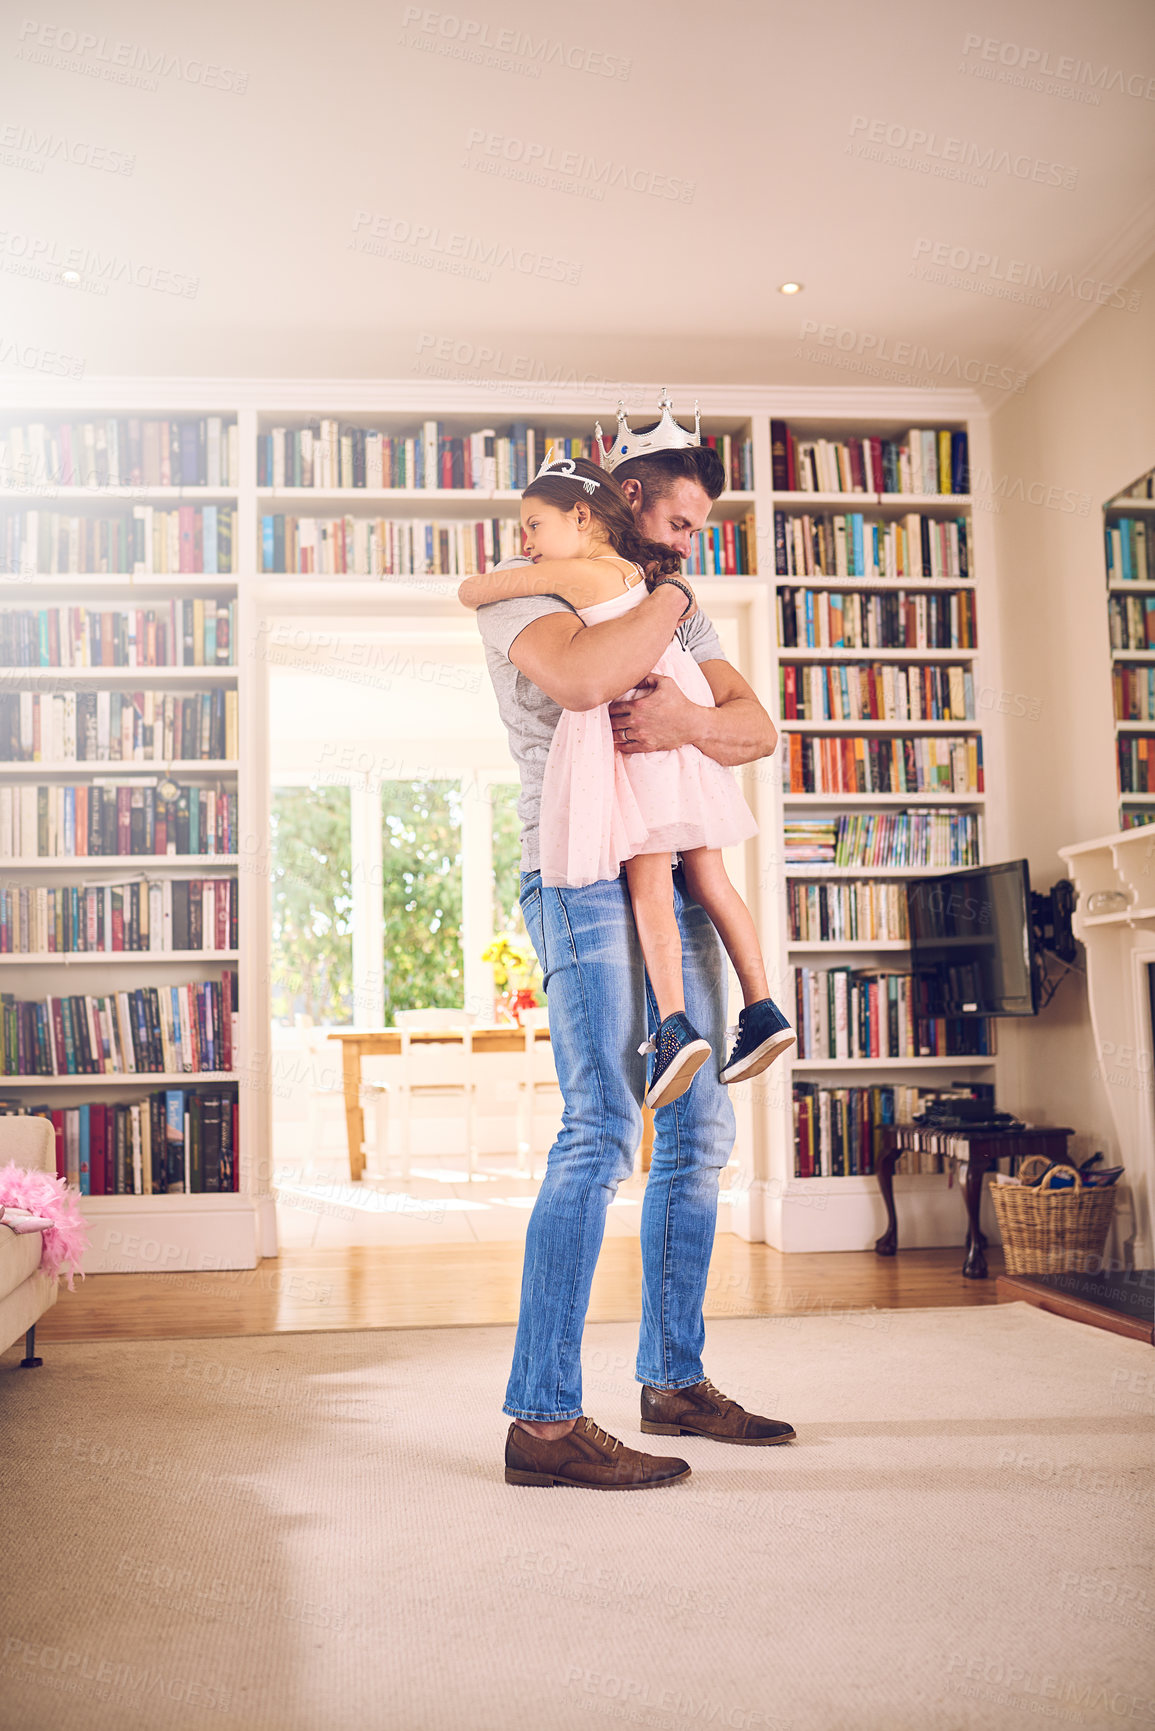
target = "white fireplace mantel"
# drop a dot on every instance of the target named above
(1117, 929)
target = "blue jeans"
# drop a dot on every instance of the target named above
(599, 1014)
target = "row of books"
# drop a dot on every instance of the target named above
(1128, 559)
(120, 451)
(1138, 819)
(1134, 691)
(141, 914)
(158, 1029)
(385, 547)
(194, 632)
(105, 819)
(925, 460)
(847, 912)
(117, 726)
(882, 692)
(330, 453)
(1136, 755)
(724, 550)
(173, 1141)
(854, 546)
(938, 1150)
(1131, 619)
(885, 840)
(827, 619)
(882, 764)
(878, 1013)
(144, 541)
(836, 1129)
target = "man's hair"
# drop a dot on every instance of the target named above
(660, 471)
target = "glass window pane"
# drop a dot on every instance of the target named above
(421, 857)
(520, 969)
(506, 858)
(312, 905)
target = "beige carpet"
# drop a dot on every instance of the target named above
(309, 1531)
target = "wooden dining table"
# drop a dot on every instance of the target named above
(358, 1043)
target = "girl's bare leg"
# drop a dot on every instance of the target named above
(710, 887)
(652, 893)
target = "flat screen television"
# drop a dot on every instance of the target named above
(972, 943)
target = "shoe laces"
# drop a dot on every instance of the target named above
(598, 1435)
(716, 1392)
(646, 1046)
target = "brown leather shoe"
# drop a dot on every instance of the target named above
(703, 1411)
(586, 1456)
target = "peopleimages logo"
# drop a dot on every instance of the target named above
(476, 39)
(41, 147)
(567, 170)
(426, 243)
(1009, 272)
(34, 359)
(958, 158)
(121, 62)
(44, 258)
(1067, 68)
(872, 349)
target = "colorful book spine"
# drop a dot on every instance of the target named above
(122, 452)
(925, 460)
(187, 1027)
(882, 764)
(895, 619)
(845, 1014)
(854, 545)
(878, 691)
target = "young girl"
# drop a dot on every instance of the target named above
(600, 807)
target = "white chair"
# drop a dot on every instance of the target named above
(436, 1068)
(538, 1077)
(375, 1099)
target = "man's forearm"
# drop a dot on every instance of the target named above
(596, 663)
(733, 733)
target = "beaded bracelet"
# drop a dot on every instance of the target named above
(678, 584)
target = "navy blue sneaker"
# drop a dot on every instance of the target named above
(763, 1035)
(679, 1053)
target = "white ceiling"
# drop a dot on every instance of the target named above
(757, 109)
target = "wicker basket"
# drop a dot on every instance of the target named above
(1046, 1231)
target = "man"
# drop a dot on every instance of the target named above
(543, 658)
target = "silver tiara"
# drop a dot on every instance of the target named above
(566, 466)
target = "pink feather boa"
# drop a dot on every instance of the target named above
(66, 1240)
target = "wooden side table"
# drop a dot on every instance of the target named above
(980, 1149)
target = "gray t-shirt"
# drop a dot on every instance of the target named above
(530, 716)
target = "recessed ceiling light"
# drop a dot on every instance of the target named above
(71, 277)
(790, 288)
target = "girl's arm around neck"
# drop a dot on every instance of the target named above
(581, 582)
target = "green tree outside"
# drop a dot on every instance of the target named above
(312, 874)
(421, 850)
(421, 890)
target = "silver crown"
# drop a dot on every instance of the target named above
(668, 435)
(565, 466)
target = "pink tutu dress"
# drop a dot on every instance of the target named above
(600, 807)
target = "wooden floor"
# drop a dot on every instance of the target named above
(447, 1285)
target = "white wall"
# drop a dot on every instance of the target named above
(1085, 422)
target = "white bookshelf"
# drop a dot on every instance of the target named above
(1135, 502)
(203, 1229)
(832, 1212)
(231, 1231)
